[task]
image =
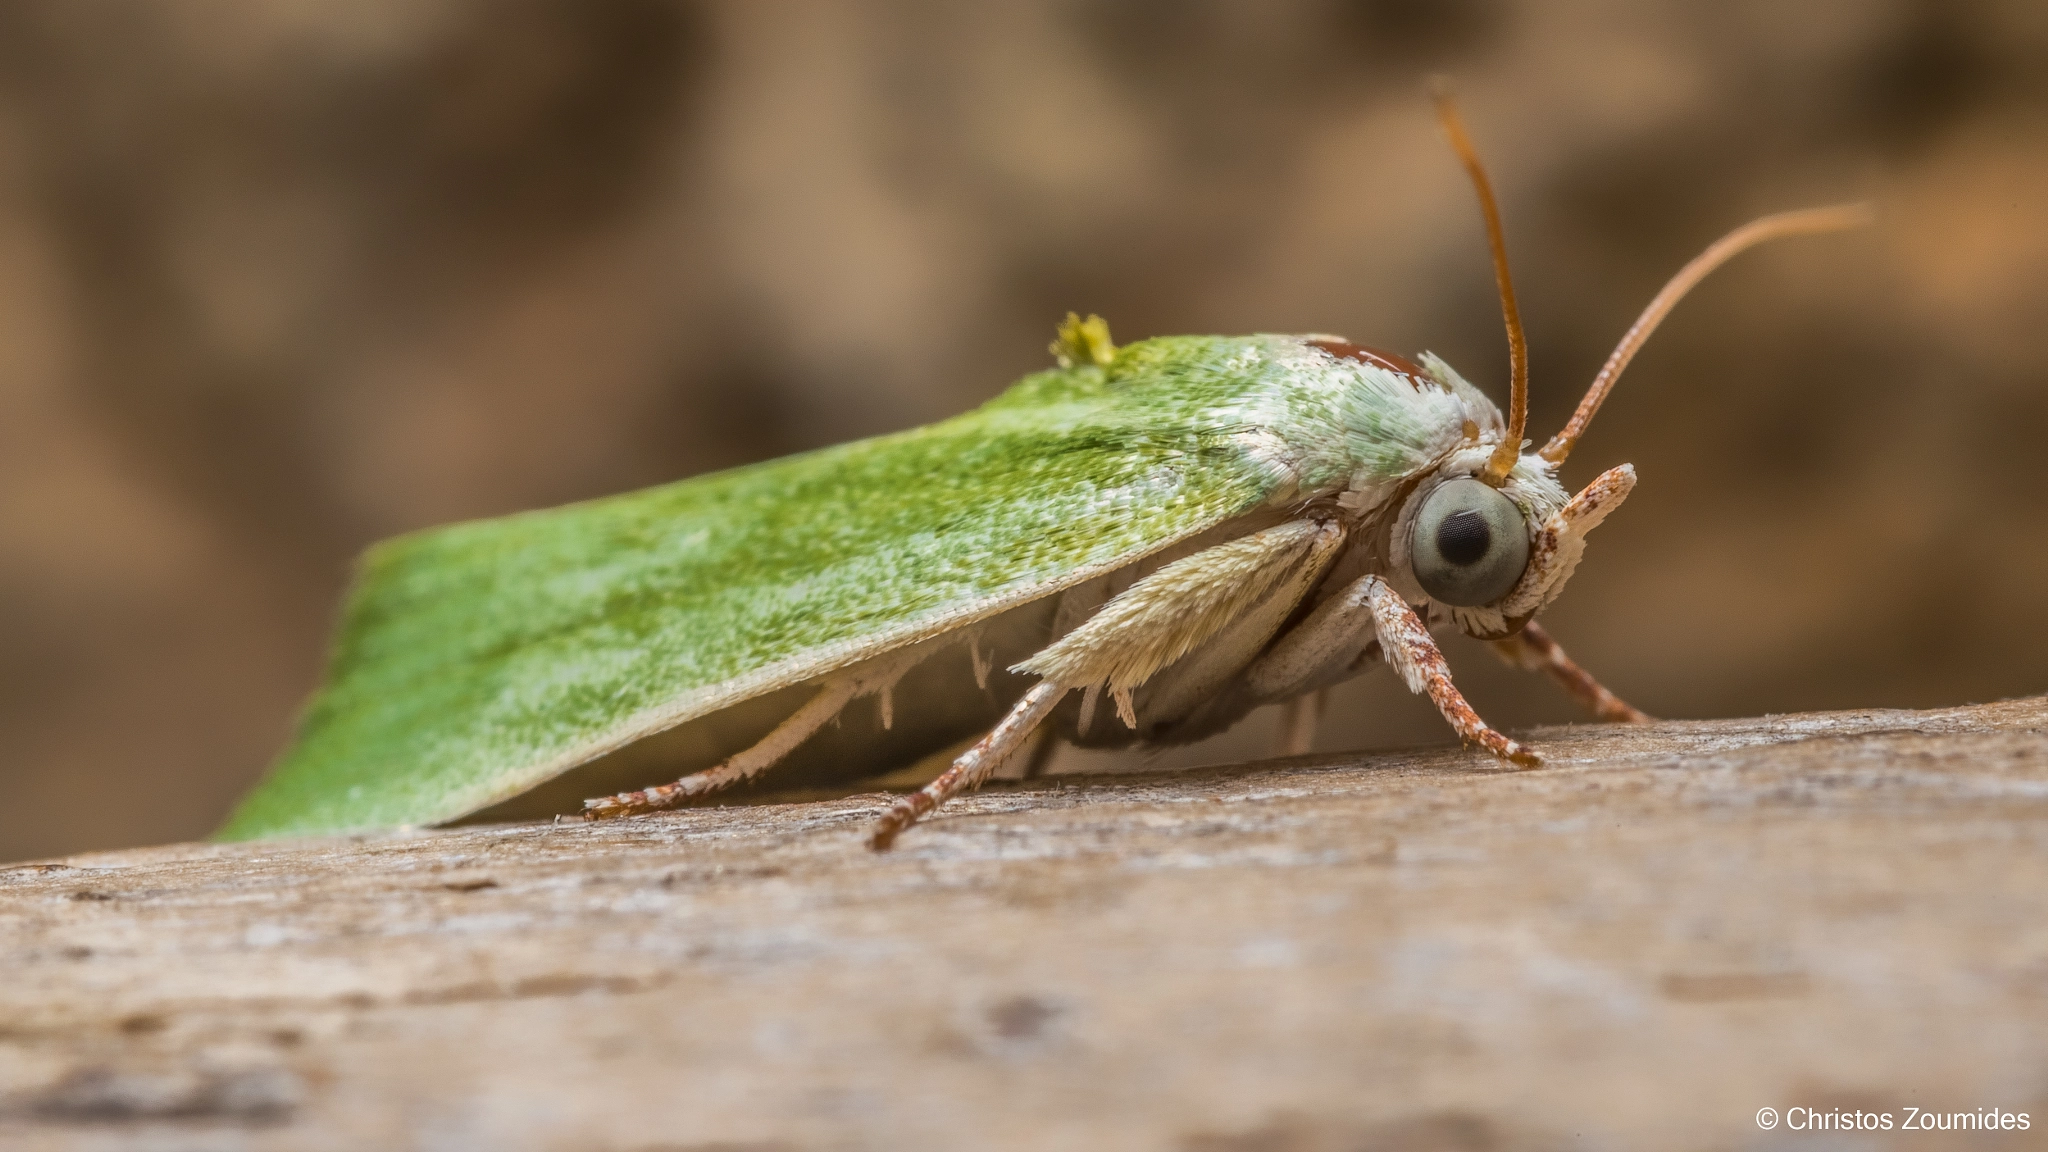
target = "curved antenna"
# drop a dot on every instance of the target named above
(1799, 223)
(1510, 448)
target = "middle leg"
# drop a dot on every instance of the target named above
(1533, 650)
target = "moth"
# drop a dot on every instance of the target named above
(1139, 545)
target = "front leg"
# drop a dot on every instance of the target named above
(1406, 644)
(1336, 631)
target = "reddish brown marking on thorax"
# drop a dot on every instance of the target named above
(1378, 357)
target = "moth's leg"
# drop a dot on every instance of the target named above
(1368, 609)
(1533, 650)
(816, 712)
(1299, 719)
(972, 767)
(1407, 646)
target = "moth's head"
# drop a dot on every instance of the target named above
(1490, 554)
(1489, 535)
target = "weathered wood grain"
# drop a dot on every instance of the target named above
(1637, 947)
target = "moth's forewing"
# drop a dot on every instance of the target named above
(476, 662)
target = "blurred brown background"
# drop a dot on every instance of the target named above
(280, 278)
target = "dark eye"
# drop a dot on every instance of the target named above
(1470, 544)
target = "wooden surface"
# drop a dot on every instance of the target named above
(1638, 947)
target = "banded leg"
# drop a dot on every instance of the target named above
(1533, 650)
(972, 767)
(1406, 645)
(1338, 630)
(878, 677)
(815, 714)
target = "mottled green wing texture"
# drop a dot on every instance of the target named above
(475, 661)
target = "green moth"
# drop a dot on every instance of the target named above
(1138, 545)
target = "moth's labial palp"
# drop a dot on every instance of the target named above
(1377, 357)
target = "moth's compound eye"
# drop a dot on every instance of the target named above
(1470, 544)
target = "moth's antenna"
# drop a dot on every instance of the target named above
(1807, 220)
(1504, 456)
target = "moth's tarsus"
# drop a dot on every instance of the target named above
(971, 767)
(634, 803)
(897, 820)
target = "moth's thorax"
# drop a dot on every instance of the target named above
(1357, 424)
(1373, 433)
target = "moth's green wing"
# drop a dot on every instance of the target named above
(478, 660)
